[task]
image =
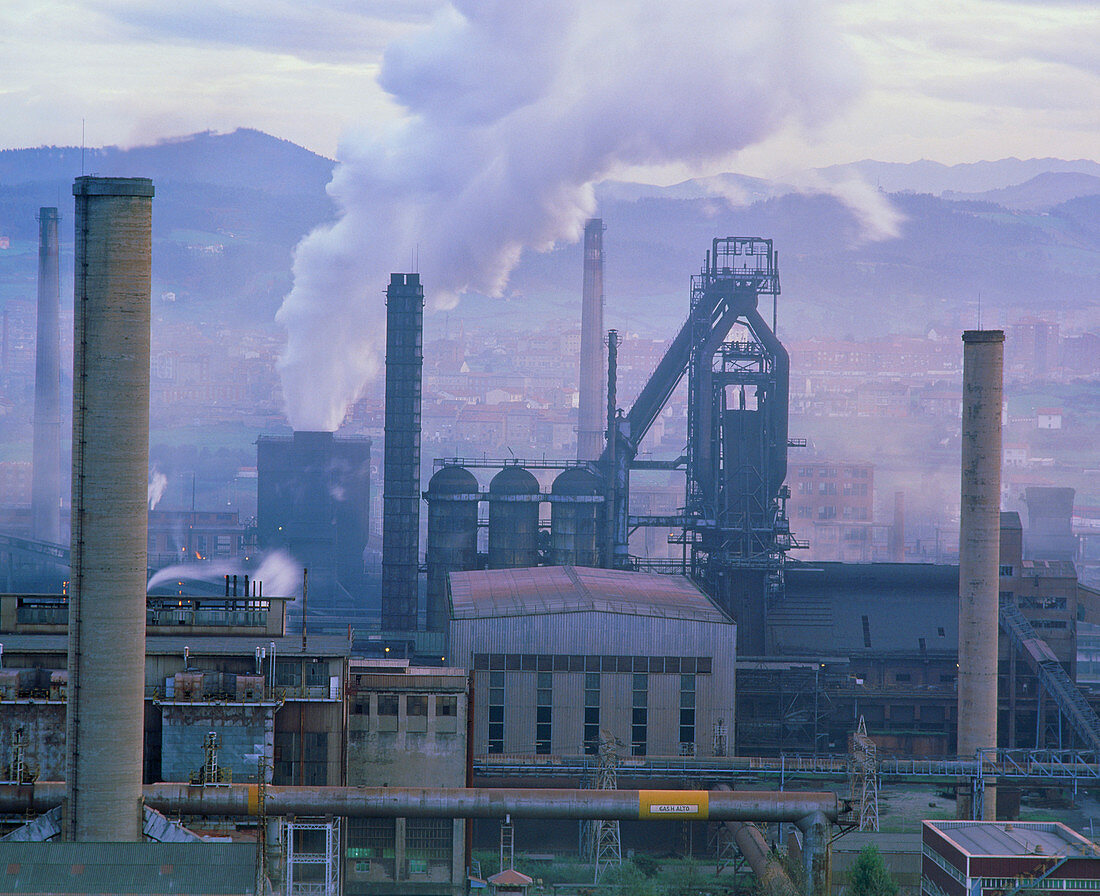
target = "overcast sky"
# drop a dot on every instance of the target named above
(953, 81)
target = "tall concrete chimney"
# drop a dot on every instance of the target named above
(109, 512)
(401, 475)
(590, 420)
(979, 544)
(46, 484)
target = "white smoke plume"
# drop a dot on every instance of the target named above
(158, 484)
(280, 574)
(514, 112)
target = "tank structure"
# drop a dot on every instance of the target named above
(401, 475)
(514, 497)
(106, 686)
(46, 482)
(452, 498)
(979, 546)
(574, 518)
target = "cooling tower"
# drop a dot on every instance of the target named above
(979, 543)
(109, 511)
(46, 484)
(590, 419)
(401, 476)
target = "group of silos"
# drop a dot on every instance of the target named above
(514, 498)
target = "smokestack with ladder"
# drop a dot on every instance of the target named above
(106, 689)
(979, 547)
(590, 422)
(46, 483)
(401, 474)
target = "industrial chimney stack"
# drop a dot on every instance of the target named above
(46, 484)
(106, 686)
(979, 545)
(401, 476)
(590, 419)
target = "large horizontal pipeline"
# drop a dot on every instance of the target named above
(242, 800)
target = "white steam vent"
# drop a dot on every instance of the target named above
(514, 112)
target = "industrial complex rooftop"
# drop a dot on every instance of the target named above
(845, 608)
(1014, 838)
(575, 589)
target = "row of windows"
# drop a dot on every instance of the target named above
(415, 705)
(831, 472)
(544, 662)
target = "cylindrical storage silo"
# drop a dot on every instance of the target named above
(574, 530)
(106, 689)
(513, 519)
(452, 536)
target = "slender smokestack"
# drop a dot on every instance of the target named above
(590, 422)
(401, 476)
(979, 544)
(897, 533)
(109, 511)
(46, 485)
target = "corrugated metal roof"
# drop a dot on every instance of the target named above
(904, 604)
(542, 590)
(1015, 838)
(217, 869)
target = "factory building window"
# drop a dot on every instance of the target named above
(446, 706)
(387, 704)
(288, 674)
(639, 722)
(591, 712)
(427, 840)
(496, 712)
(573, 663)
(687, 714)
(544, 701)
(372, 840)
(416, 705)
(1006, 570)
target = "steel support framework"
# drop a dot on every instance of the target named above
(734, 524)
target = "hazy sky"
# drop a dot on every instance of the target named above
(951, 81)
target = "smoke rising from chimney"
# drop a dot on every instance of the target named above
(515, 111)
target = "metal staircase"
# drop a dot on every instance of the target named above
(1052, 677)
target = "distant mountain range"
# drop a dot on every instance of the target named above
(1025, 234)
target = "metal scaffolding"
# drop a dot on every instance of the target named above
(601, 839)
(863, 777)
(317, 832)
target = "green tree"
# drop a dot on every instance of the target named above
(869, 877)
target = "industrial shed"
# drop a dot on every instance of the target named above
(559, 654)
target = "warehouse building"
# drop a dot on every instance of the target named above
(976, 858)
(561, 655)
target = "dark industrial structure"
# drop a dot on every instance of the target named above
(313, 495)
(401, 484)
(734, 524)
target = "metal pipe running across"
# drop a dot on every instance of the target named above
(242, 800)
